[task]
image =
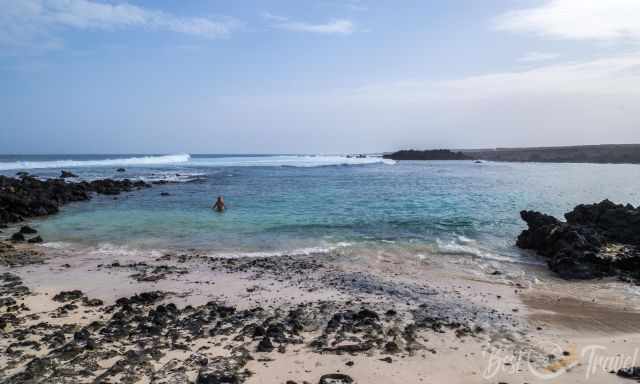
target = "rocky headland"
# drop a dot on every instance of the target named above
(605, 153)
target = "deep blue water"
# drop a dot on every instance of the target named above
(291, 203)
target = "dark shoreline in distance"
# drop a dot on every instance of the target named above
(602, 154)
(435, 154)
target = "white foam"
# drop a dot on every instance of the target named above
(57, 245)
(173, 177)
(187, 160)
(455, 248)
(127, 251)
(465, 240)
(287, 161)
(105, 249)
(292, 252)
(131, 161)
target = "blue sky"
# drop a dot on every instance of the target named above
(98, 76)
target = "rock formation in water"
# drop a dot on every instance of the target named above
(597, 240)
(25, 197)
(436, 154)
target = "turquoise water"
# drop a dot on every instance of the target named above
(284, 204)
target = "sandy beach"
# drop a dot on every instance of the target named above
(375, 318)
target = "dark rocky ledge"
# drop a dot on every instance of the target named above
(25, 197)
(436, 154)
(597, 240)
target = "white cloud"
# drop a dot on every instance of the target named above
(332, 27)
(573, 103)
(530, 57)
(608, 76)
(577, 20)
(271, 17)
(338, 26)
(352, 5)
(585, 102)
(34, 23)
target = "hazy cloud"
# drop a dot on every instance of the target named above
(613, 76)
(34, 23)
(352, 5)
(531, 57)
(331, 27)
(577, 20)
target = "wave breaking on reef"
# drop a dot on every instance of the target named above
(130, 161)
(296, 161)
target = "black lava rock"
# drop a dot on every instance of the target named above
(265, 345)
(629, 373)
(65, 174)
(27, 230)
(17, 237)
(25, 197)
(65, 296)
(335, 378)
(597, 240)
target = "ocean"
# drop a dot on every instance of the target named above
(294, 204)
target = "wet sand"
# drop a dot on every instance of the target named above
(470, 320)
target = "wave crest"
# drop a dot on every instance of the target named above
(296, 161)
(144, 160)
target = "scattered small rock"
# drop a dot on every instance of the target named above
(335, 378)
(629, 373)
(65, 174)
(65, 296)
(35, 240)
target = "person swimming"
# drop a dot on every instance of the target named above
(219, 205)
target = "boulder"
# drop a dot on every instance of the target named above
(597, 240)
(27, 230)
(17, 237)
(265, 345)
(121, 170)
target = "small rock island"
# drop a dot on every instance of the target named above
(434, 154)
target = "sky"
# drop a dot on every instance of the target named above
(316, 76)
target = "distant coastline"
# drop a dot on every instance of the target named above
(603, 154)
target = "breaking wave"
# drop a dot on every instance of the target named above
(130, 161)
(185, 160)
(287, 161)
(468, 247)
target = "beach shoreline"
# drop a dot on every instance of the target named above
(430, 320)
